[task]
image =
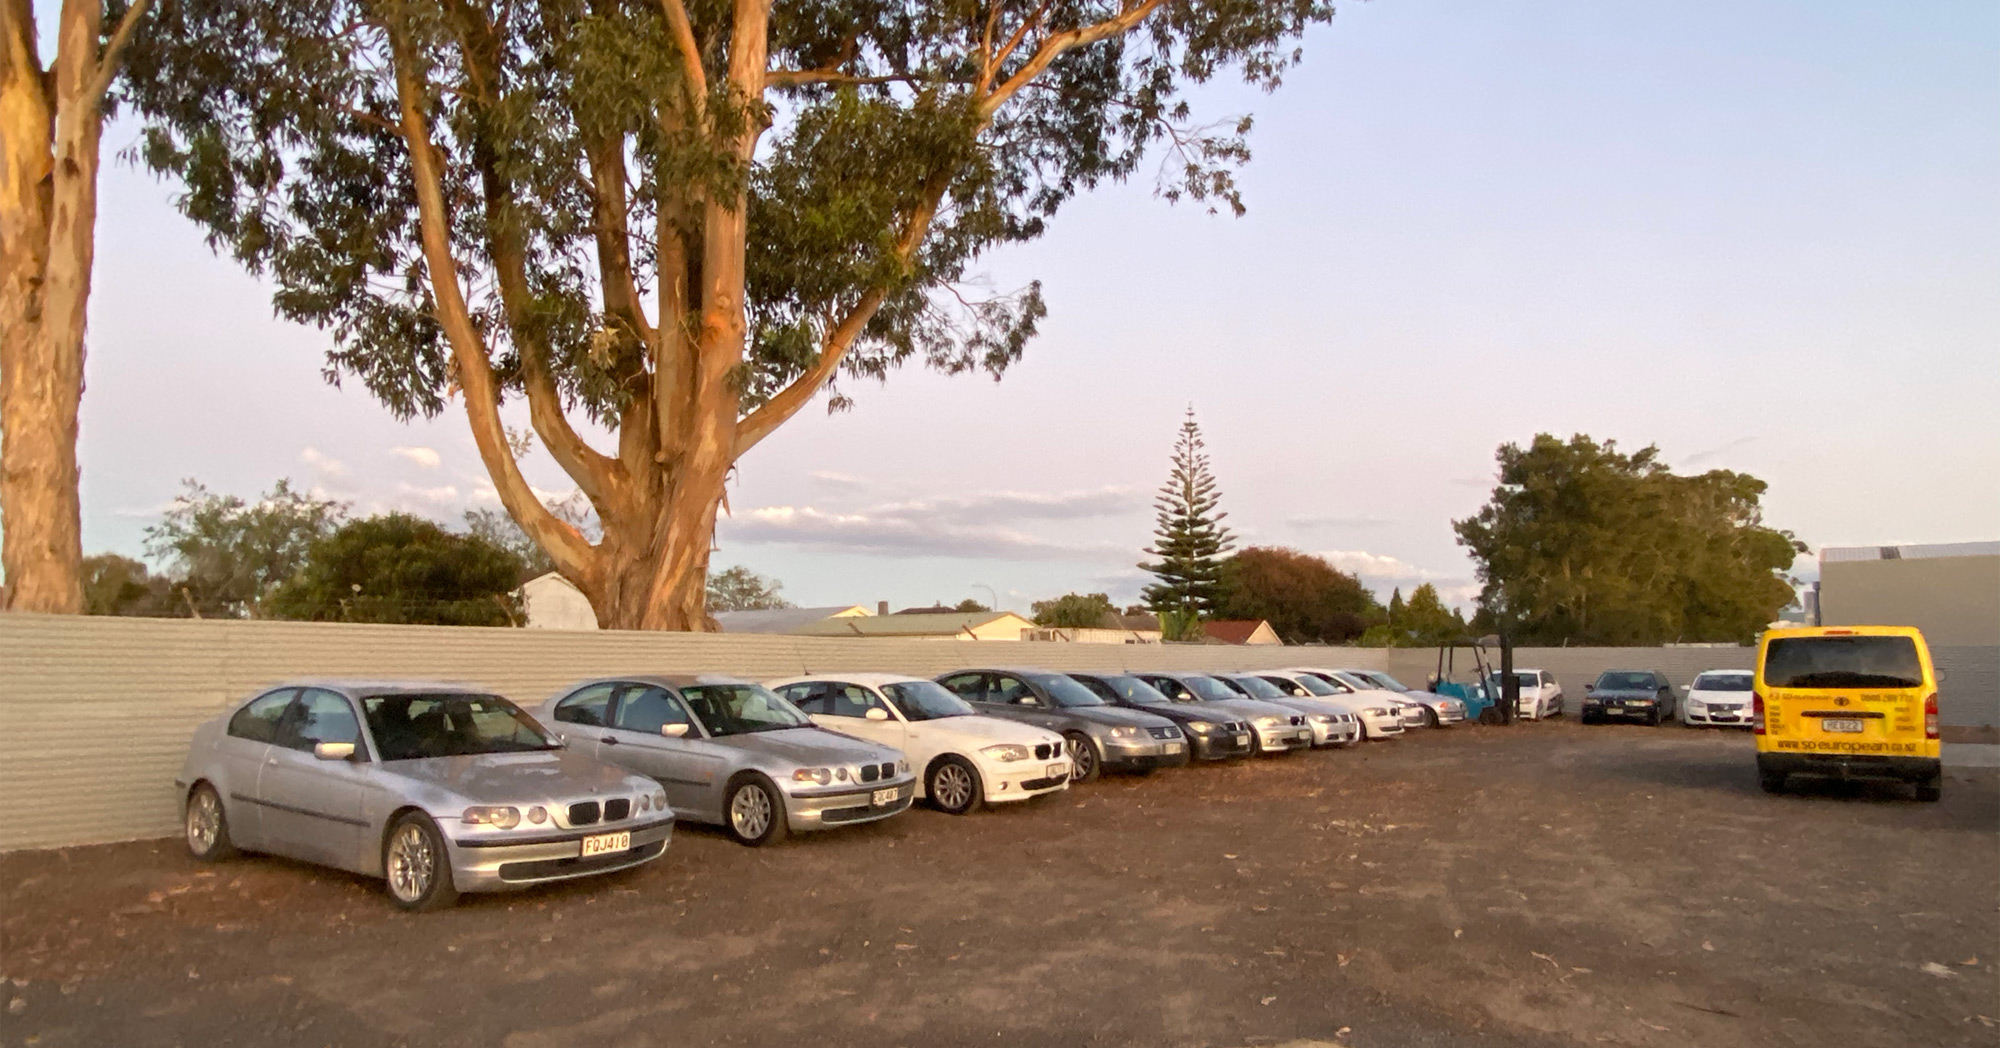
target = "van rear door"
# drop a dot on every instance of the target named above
(1859, 692)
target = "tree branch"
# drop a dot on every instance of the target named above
(565, 545)
(994, 62)
(107, 63)
(684, 42)
(1054, 47)
(798, 77)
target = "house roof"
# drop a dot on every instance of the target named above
(1234, 631)
(939, 625)
(778, 620)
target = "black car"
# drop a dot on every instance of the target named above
(1273, 728)
(1099, 735)
(1213, 734)
(1644, 695)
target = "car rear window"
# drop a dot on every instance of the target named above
(1722, 682)
(1843, 662)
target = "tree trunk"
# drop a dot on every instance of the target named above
(50, 123)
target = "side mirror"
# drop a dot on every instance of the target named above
(334, 751)
(674, 731)
(1590, 687)
(876, 713)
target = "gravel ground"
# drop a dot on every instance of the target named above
(1538, 885)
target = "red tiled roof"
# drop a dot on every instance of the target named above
(1232, 631)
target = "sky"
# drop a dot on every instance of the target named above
(1764, 236)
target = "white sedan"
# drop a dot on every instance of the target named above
(1719, 698)
(1541, 696)
(1381, 716)
(963, 758)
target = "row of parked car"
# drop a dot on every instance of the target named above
(442, 789)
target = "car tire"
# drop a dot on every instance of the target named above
(1085, 765)
(416, 865)
(1931, 790)
(1586, 718)
(209, 841)
(1771, 781)
(953, 786)
(753, 811)
(1430, 717)
(1653, 718)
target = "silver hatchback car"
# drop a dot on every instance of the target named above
(732, 752)
(437, 789)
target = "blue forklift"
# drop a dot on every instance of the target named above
(1482, 704)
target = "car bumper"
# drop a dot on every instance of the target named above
(822, 811)
(1220, 747)
(1285, 739)
(1381, 727)
(1020, 780)
(1719, 718)
(1145, 755)
(1622, 712)
(1339, 733)
(1851, 766)
(1449, 715)
(493, 865)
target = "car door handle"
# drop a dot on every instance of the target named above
(610, 741)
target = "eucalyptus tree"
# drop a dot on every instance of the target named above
(51, 122)
(678, 220)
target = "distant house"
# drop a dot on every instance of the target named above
(1240, 631)
(953, 625)
(554, 603)
(783, 620)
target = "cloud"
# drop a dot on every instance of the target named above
(443, 495)
(1329, 522)
(332, 467)
(1382, 573)
(425, 457)
(909, 529)
(1014, 505)
(847, 480)
(1711, 454)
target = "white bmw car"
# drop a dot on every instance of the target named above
(962, 757)
(1719, 698)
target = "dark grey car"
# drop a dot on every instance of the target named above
(1273, 728)
(1098, 734)
(1644, 695)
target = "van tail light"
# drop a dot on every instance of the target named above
(1930, 716)
(1756, 714)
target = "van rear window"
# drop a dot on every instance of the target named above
(1843, 662)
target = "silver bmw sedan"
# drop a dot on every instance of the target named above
(732, 752)
(437, 789)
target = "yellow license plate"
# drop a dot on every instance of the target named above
(888, 796)
(1845, 726)
(607, 844)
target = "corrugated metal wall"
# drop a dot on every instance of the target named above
(95, 713)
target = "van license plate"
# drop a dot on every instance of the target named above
(888, 796)
(606, 844)
(1846, 725)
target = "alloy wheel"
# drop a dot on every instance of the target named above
(412, 863)
(750, 812)
(204, 821)
(951, 787)
(1082, 759)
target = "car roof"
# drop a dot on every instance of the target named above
(1019, 670)
(1718, 673)
(364, 686)
(870, 679)
(670, 680)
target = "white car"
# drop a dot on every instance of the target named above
(1380, 714)
(962, 757)
(1541, 696)
(1718, 698)
(1443, 708)
(1411, 711)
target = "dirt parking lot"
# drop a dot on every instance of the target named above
(1544, 884)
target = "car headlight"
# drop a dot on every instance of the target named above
(1124, 731)
(1006, 751)
(538, 815)
(500, 816)
(659, 800)
(1322, 718)
(818, 775)
(1201, 727)
(1267, 722)
(1376, 711)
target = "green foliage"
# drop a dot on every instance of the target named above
(1076, 611)
(970, 606)
(400, 568)
(1424, 622)
(499, 529)
(1584, 544)
(740, 589)
(1188, 536)
(115, 585)
(1304, 598)
(1179, 624)
(226, 556)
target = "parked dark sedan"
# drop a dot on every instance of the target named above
(1273, 728)
(1213, 733)
(1629, 695)
(1098, 735)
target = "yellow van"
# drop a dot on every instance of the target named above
(1852, 702)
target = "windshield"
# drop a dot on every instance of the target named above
(1258, 687)
(1134, 691)
(1385, 680)
(1527, 680)
(412, 727)
(1313, 685)
(1722, 682)
(739, 709)
(920, 700)
(1843, 662)
(1617, 680)
(1066, 692)
(1356, 681)
(1208, 688)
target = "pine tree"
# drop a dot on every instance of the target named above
(1189, 538)
(1396, 607)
